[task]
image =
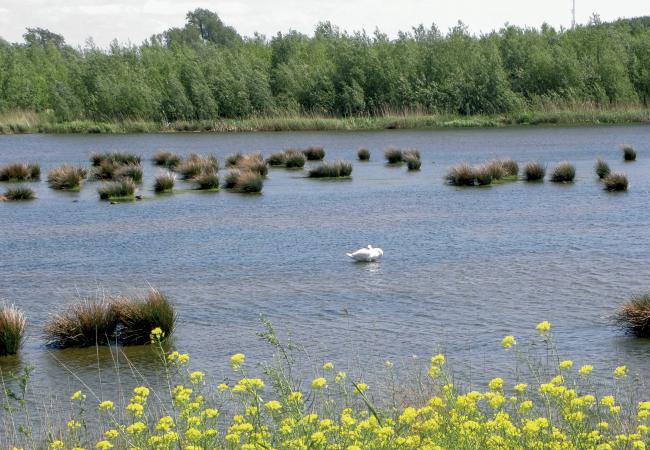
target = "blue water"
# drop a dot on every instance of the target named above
(462, 267)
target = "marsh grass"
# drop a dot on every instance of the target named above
(206, 181)
(495, 169)
(244, 181)
(20, 172)
(117, 190)
(394, 155)
(117, 158)
(135, 317)
(629, 154)
(336, 169)
(132, 171)
(276, 159)
(83, 323)
(294, 159)
(253, 162)
(484, 174)
(194, 165)
(564, 172)
(166, 159)
(233, 159)
(19, 193)
(461, 175)
(66, 177)
(314, 153)
(534, 171)
(12, 329)
(510, 167)
(164, 183)
(602, 168)
(634, 315)
(615, 181)
(363, 154)
(412, 163)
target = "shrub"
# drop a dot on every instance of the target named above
(363, 154)
(534, 171)
(123, 189)
(484, 174)
(206, 181)
(510, 167)
(314, 153)
(336, 169)
(394, 155)
(615, 182)
(19, 193)
(132, 171)
(634, 315)
(66, 177)
(166, 159)
(413, 163)
(20, 172)
(564, 172)
(118, 158)
(136, 317)
(12, 329)
(629, 154)
(276, 159)
(81, 324)
(293, 159)
(602, 168)
(164, 182)
(461, 175)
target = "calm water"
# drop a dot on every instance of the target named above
(462, 267)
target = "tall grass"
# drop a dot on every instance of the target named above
(164, 183)
(615, 181)
(166, 159)
(12, 329)
(19, 193)
(81, 324)
(629, 154)
(206, 181)
(66, 177)
(314, 153)
(335, 169)
(233, 159)
(363, 154)
(276, 159)
(195, 165)
(20, 172)
(118, 158)
(484, 174)
(117, 190)
(137, 316)
(634, 315)
(294, 159)
(602, 168)
(253, 162)
(534, 171)
(495, 169)
(461, 175)
(564, 172)
(393, 155)
(510, 167)
(244, 181)
(131, 171)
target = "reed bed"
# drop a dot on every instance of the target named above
(534, 171)
(363, 154)
(615, 181)
(564, 172)
(118, 190)
(634, 316)
(336, 169)
(602, 168)
(12, 329)
(166, 159)
(629, 154)
(66, 177)
(19, 193)
(314, 153)
(164, 183)
(20, 172)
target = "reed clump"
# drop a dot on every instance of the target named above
(20, 172)
(194, 165)
(131, 171)
(12, 329)
(244, 181)
(363, 154)
(137, 316)
(314, 153)
(602, 168)
(294, 159)
(253, 162)
(510, 167)
(117, 158)
(629, 154)
(164, 183)
(336, 169)
(461, 175)
(413, 159)
(534, 171)
(484, 174)
(616, 181)
(494, 168)
(66, 177)
(206, 181)
(118, 190)
(634, 315)
(564, 172)
(166, 159)
(19, 193)
(233, 159)
(394, 155)
(81, 324)
(276, 159)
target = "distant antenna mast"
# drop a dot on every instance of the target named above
(573, 15)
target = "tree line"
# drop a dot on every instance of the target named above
(206, 70)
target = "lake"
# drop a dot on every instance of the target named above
(461, 267)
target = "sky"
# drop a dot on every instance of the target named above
(135, 20)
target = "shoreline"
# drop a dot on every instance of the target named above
(29, 123)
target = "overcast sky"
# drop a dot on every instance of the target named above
(135, 20)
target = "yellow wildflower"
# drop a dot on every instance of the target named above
(56, 445)
(104, 445)
(273, 405)
(319, 383)
(196, 377)
(360, 387)
(106, 405)
(543, 327)
(111, 434)
(78, 396)
(508, 342)
(566, 364)
(237, 360)
(328, 366)
(586, 369)
(620, 372)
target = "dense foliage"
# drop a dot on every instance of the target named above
(206, 70)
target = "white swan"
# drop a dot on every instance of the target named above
(367, 254)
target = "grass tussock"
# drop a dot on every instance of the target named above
(394, 155)
(206, 181)
(484, 174)
(564, 172)
(494, 168)
(629, 154)
(294, 159)
(20, 172)
(66, 177)
(276, 159)
(616, 181)
(233, 159)
(19, 193)
(336, 169)
(461, 175)
(244, 181)
(534, 171)
(12, 329)
(131, 171)
(634, 315)
(166, 159)
(137, 316)
(117, 158)
(363, 154)
(314, 153)
(602, 168)
(82, 324)
(164, 183)
(117, 190)
(510, 167)
(253, 162)
(194, 165)
(413, 160)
